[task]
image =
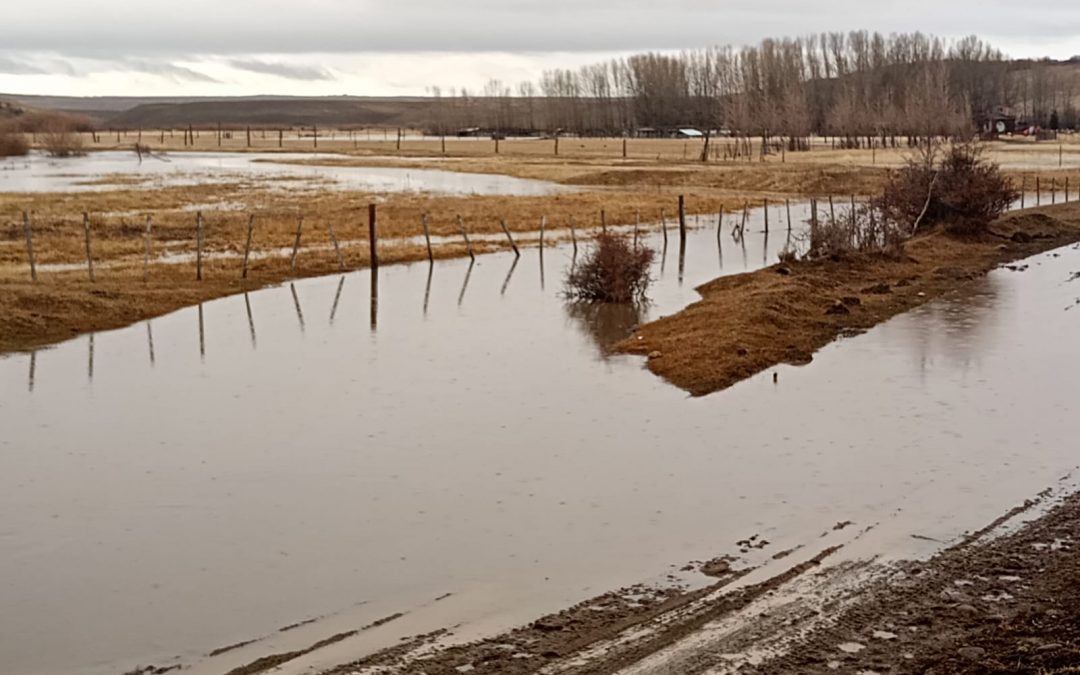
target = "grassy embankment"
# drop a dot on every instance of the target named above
(747, 323)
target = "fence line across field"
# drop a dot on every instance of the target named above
(738, 230)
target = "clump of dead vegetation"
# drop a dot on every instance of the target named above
(953, 187)
(60, 138)
(614, 270)
(12, 143)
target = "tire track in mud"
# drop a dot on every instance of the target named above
(595, 637)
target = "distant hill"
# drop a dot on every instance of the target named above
(132, 112)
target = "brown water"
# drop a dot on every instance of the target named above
(325, 455)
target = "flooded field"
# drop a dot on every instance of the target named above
(111, 170)
(348, 448)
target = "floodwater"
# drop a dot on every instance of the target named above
(110, 170)
(219, 473)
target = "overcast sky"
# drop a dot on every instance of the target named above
(400, 47)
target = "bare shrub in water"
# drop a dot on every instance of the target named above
(12, 143)
(60, 138)
(612, 271)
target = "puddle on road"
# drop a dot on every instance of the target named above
(112, 170)
(213, 475)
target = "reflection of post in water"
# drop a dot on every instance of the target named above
(374, 297)
(682, 259)
(720, 239)
(663, 258)
(765, 250)
(90, 359)
(33, 371)
(427, 287)
(337, 298)
(251, 319)
(541, 268)
(510, 274)
(296, 302)
(150, 341)
(202, 334)
(465, 284)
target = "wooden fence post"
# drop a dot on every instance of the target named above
(1053, 190)
(247, 245)
(89, 257)
(337, 248)
(198, 245)
(219, 134)
(603, 221)
(280, 137)
(427, 237)
(682, 217)
(373, 231)
(1023, 190)
(296, 243)
(624, 148)
(29, 245)
(832, 211)
(507, 231)
(315, 134)
(249, 136)
(465, 236)
(1038, 192)
(556, 145)
(146, 250)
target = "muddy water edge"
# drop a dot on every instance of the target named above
(301, 417)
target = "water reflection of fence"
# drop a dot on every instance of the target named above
(203, 329)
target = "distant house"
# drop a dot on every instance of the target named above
(996, 122)
(688, 132)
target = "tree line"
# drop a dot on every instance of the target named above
(855, 86)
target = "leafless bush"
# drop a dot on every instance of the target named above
(613, 271)
(60, 139)
(858, 229)
(12, 143)
(954, 186)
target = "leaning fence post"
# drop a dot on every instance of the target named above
(198, 245)
(465, 236)
(89, 257)
(146, 250)
(427, 237)
(29, 245)
(507, 231)
(296, 243)
(373, 235)
(247, 245)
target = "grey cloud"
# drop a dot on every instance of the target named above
(9, 66)
(286, 70)
(244, 27)
(165, 69)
